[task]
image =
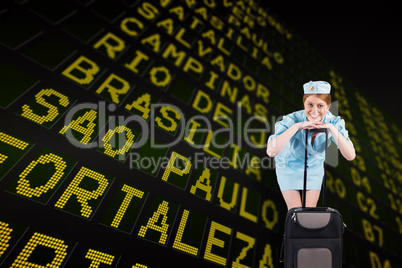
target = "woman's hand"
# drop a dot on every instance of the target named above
(313, 125)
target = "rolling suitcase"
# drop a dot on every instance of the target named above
(313, 237)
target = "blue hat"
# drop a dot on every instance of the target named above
(317, 87)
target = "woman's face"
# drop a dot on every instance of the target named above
(315, 108)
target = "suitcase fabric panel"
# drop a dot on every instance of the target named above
(296, 229)
(312, 220)
(301, 249)
(314, 257)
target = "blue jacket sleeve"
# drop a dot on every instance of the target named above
(281, 126)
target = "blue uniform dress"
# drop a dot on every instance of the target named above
(290, 162)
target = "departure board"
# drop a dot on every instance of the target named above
(133, 134)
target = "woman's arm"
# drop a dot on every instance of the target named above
(346, 148)
(276, 145)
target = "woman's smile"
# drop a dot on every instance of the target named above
(314, 116)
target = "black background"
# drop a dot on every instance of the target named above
(361, 39)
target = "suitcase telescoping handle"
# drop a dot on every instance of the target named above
(324, 183)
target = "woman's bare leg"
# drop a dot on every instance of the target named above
(312, 197)
(293, 199)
